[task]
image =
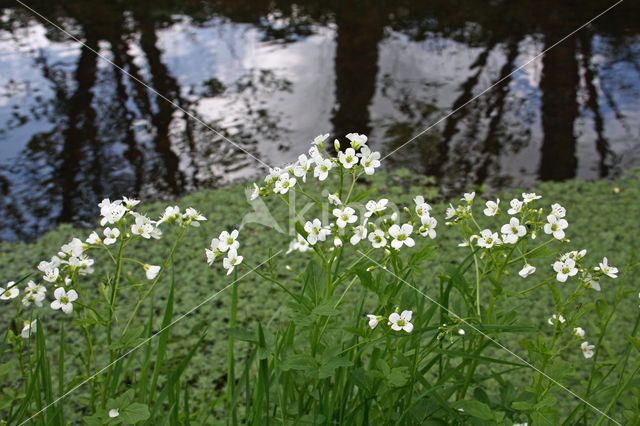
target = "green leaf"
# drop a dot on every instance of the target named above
(398, 376)
(299, 362)
(522, 406)
(242, 334)
(364, 194)
(325, 308)
(130, 338)
(541, 252)
(134, 413)
(602, 308)
(327, 369)
(427, 253)
(634, 341)
(475, 409)
(7, 367)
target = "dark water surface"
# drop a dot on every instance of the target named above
(272, 75)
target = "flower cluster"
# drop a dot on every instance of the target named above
(396, 321)
(225, 243)
(357, 158)
(121, 223)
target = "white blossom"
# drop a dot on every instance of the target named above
(527, 270)
(555, 226)
(28, 328)
(428, 227)
(344, 216)
(377, 239)
(587, 349)
(607, 269)
(322, 168)
(512, 231)
(228, 241)
(529, 197)
(375, 207)
(10, 292)
(114, 413)
(555, 318)
(558, 211)
(284, 183)
(401, 322)
(468, 197)
(487, 239)
(93, 238)
(578, 332)
(64, 300)
(357, 141)
(348, 158)
(319, 140)
(151, 271)
(401, 236)
(359, 233)
(565, 269)
(315, 231)
(373, 320)
(333, 199)
(231, 261)
(369, 160)
(516, 206)
(492, 208)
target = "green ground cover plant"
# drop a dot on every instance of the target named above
(322, 303)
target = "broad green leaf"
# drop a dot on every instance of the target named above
(602, 308)
(398, 376)
(325, 308)
(299, 362)
(134, 413)
(475, 408)
(327, 369)
(242, 334)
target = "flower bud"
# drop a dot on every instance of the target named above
(337, 242)
(336, 145)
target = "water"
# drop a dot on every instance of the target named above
(270, 76)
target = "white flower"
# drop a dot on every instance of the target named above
(51, 274)
(492, 208)
(299, 244)
(512, 231)
(527, 270)
(28, 328)
(468, 197)
(142, 227)
(35, 288)
(192, 217)
(346, 215)
(171, 213)
(111, 235)
(231, 261)
(82, 264)
(451, 212)
(228, 241)
(428, 227)
(273, 174)
(114, 413)
(516, 206)
(93, 239)
(555, 226)
(337, 241)
(574, 254)
(319, 140)
(315, 231)
(377, 239)
(151, 271)
(555, 318)
(558, 211)
(590, 282)
(487, 239)
(348, 158)
(375, 207)
(130, 202)
(64, 300)
(373, 320)
(565, 269)
(213, 252)
(578, 332)
(607, 269)
(11, 291)
(587, 349)
(529, 197)
(255, 192)
(302, 166)
(356, 140)
(461, 332)
(401, 322)
(422, 208)
(401, 236)
(333, 199)
(73, 248)
(33, 297)
(369, 160)
(359, 233)
(284, 183)
(321, 171)
(111, 213)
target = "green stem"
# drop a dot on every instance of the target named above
(614, 400)
(230, 363)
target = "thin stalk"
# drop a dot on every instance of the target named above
(230, 363)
